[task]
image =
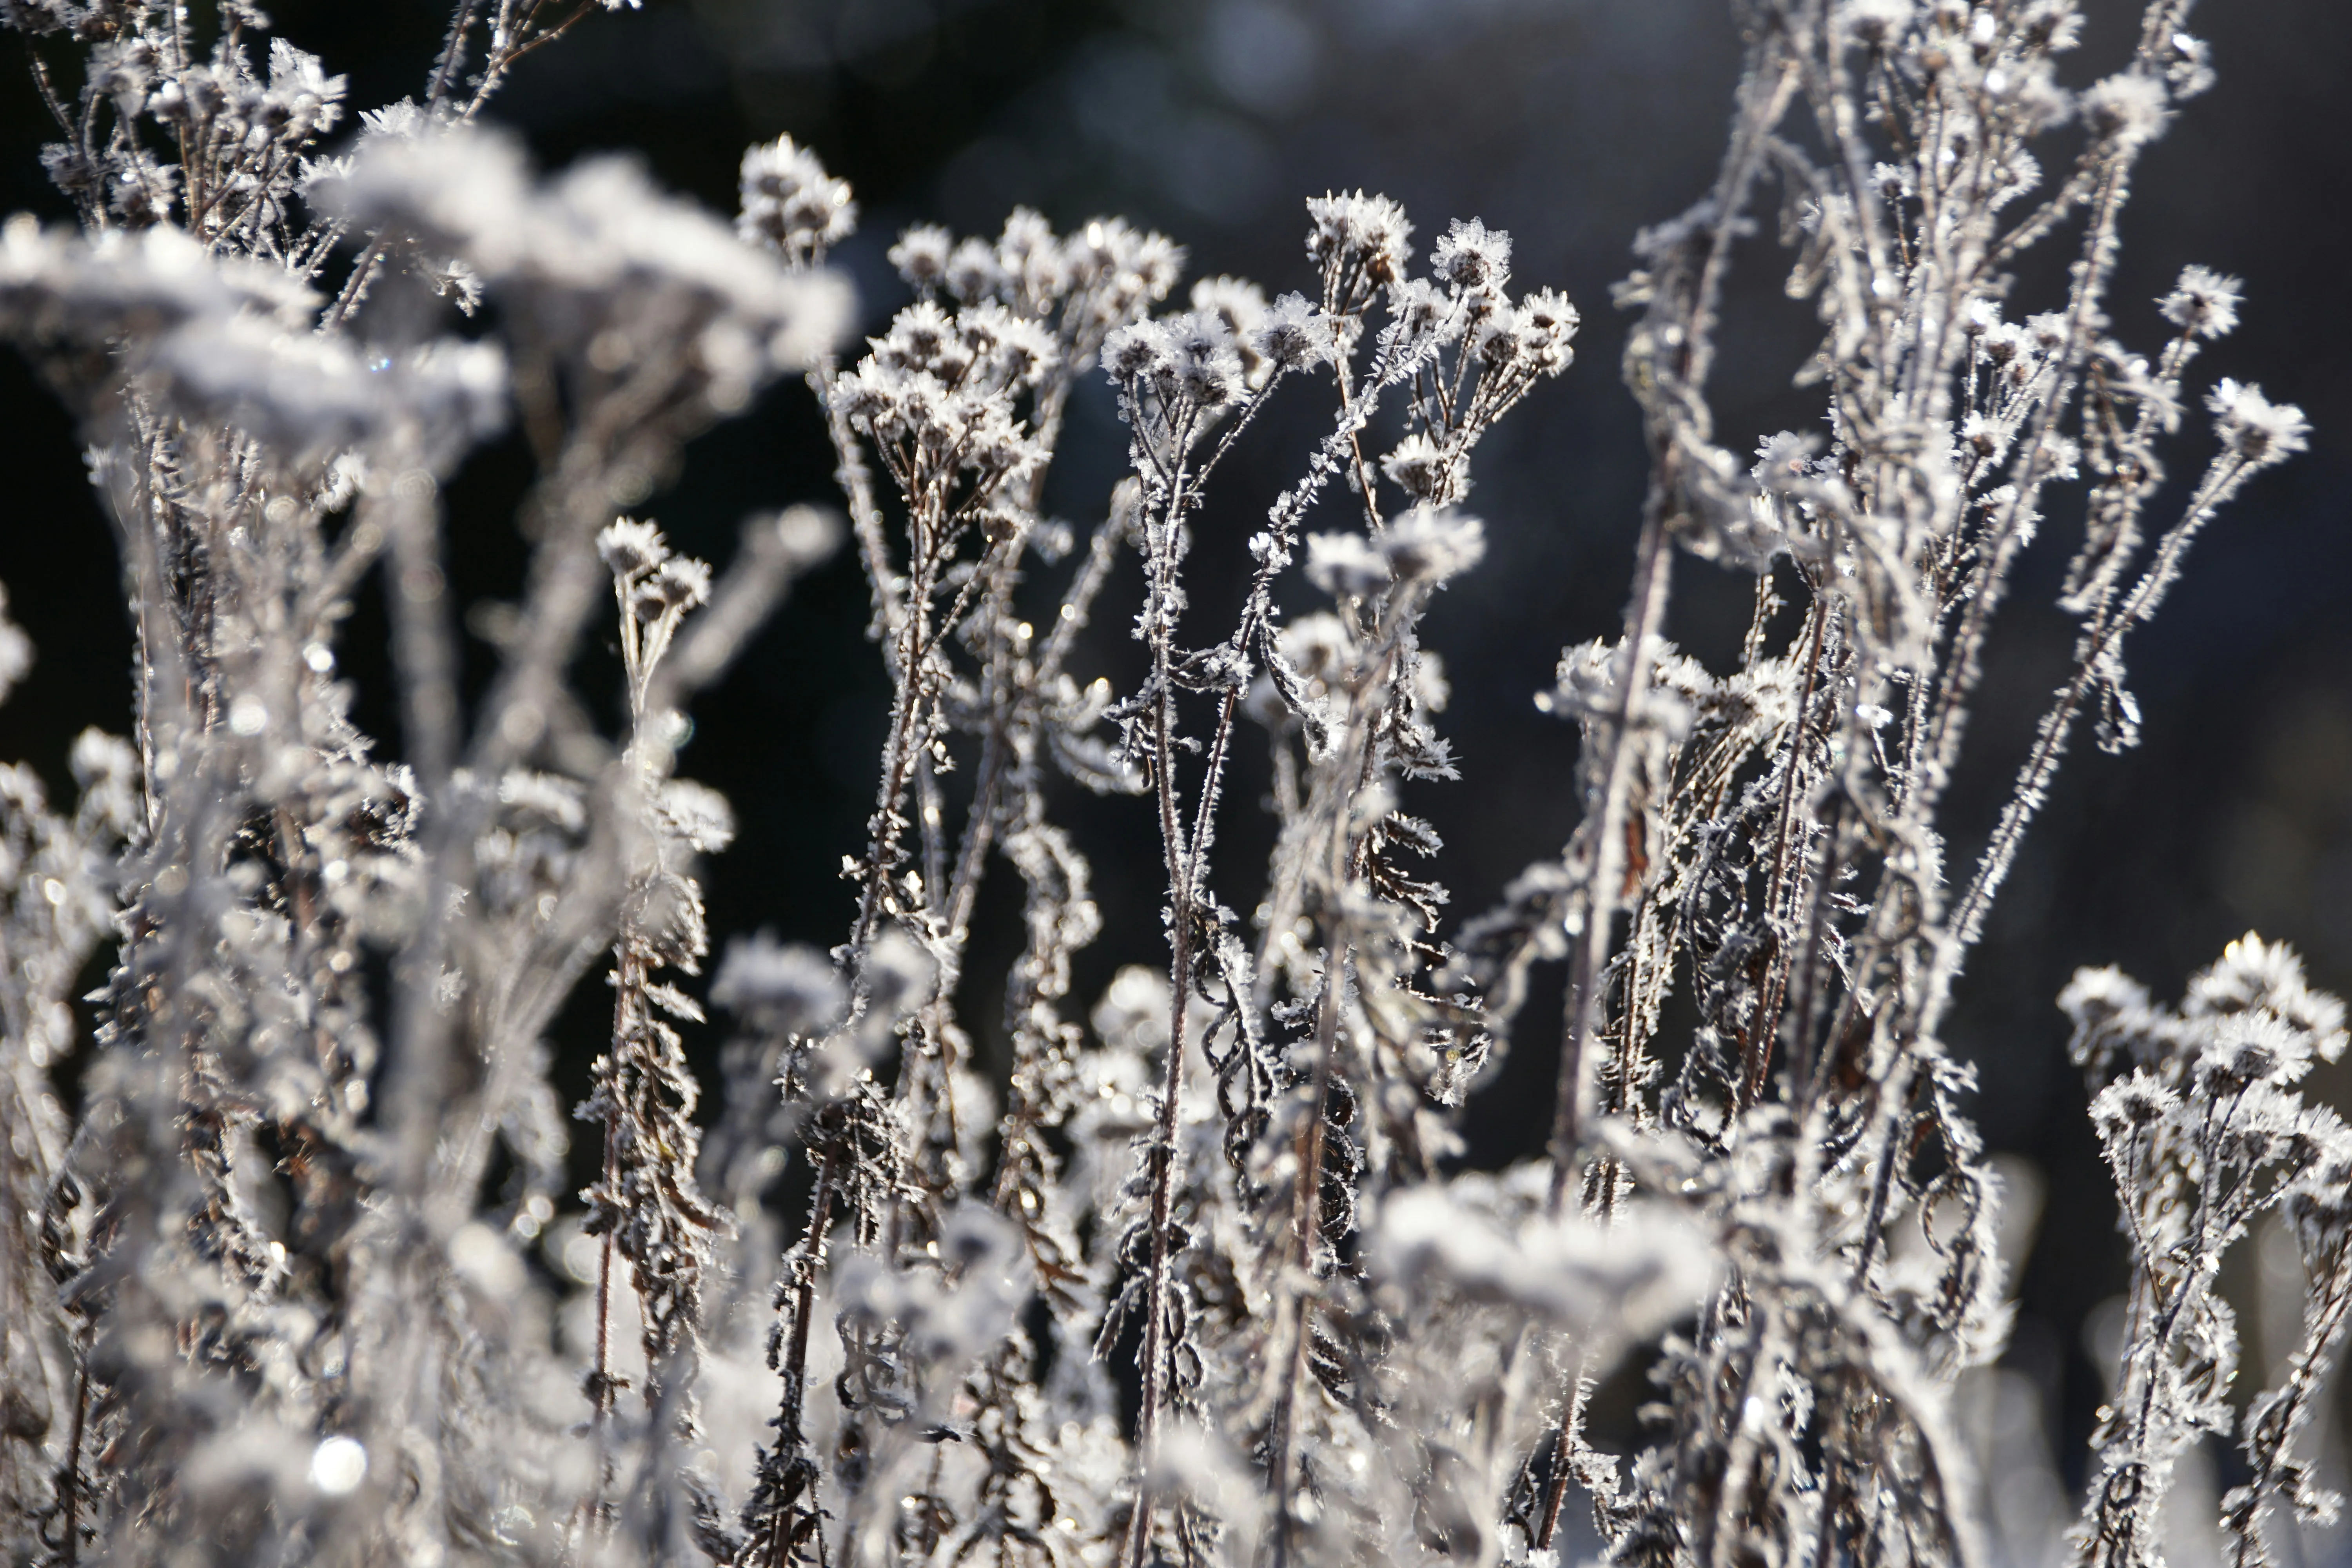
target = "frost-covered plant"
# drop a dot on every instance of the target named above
(272, 1296)
(2205, 1136)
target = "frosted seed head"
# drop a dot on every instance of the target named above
(973, 272)
(1239, 309)
(921, 255)
(791, 204)
(1345, 565)
(1204, 359)
(1874, 24)
(2257, 430)
(1355, 230)
(2126, 110)
(2204, 302)
(2251, 975)
(1545, 324)
(682, 583)
(1138, 349)
(1419, 467)
(1240, 302)
(1294, 334)
(1032, 261)
(1473, 257)
(15, 650)
(1431, 544)
(2049, 27)
(1421, 309)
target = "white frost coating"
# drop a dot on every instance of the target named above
(55, 283)
(305, 393)
(1615, 1284)
(599, 230)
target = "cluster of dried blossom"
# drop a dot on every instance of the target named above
(297, 1282)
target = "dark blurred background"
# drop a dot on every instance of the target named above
(1572, 123)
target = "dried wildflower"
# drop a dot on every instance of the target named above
(2203, 303)
(791, 204)
(1472, 255)
(1345, 565)
(1430, 546)
(2255, 430)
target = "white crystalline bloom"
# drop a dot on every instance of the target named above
(338, 1465)
(1035, 262)
(107, 769)
(790, 987)
(2188, 64)
(1431, 690)
(2255, 1047)
(2095, 996)
(1240, 302)
(1135, 265)
(1345, 565)
(1545, 324)
(630, 547)
(542, 794)
(121, 70)
(2125, 110)
(921, 255)
(681, 584)
(1317, 645)
(1431, 544)
(1137, 350)
(2204, 302)
(944, 1319)
(1421, 308)
(1473, 255)
(1418, 467)
(1355, 227)
(1011, 351)
(972, 270)
(1585, 680)
(302, 100)
(1206, 364)
(923, 337)
(2136, 1101)
(2252, 973)
(1294, 334)
(789, 202)
(2259, 431)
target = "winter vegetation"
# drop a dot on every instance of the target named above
(291, 1271)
